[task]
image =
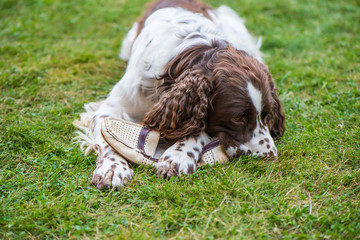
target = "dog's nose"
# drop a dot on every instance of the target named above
(251, 150)
(272, 155)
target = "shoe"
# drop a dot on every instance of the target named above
(212, 153)
(138, 143)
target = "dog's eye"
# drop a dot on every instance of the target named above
(239, 119)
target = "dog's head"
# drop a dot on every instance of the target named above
(225, 92)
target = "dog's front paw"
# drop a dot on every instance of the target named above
(176, 164)
(111, 174)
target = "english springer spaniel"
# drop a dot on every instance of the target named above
(193, 73)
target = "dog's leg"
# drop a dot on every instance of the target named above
(123, 102)
(112, 170)
(181, 157)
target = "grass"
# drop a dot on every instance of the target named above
(57, 55)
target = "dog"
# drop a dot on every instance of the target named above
(194, 73)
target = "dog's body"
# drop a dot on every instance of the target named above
(191, 77)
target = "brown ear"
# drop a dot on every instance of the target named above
(182, 110)
(277, 121)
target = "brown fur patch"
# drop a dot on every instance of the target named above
(191, 168)
(240, 152)
(123, 163)
(191, 155)
(196, 149)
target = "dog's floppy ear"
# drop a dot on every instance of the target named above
(182, 110)
(277, 120)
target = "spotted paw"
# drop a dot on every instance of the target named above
(111, 174)
(176, 164)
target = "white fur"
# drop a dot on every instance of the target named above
(164, 36)
(232, 27)
(125, 52)
(255, 96)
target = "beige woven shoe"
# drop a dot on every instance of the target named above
(212, 153)
(133, 141)
(138, 144)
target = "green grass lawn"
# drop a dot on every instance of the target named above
(57, 55)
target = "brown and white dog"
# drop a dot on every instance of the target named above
(193, 73)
